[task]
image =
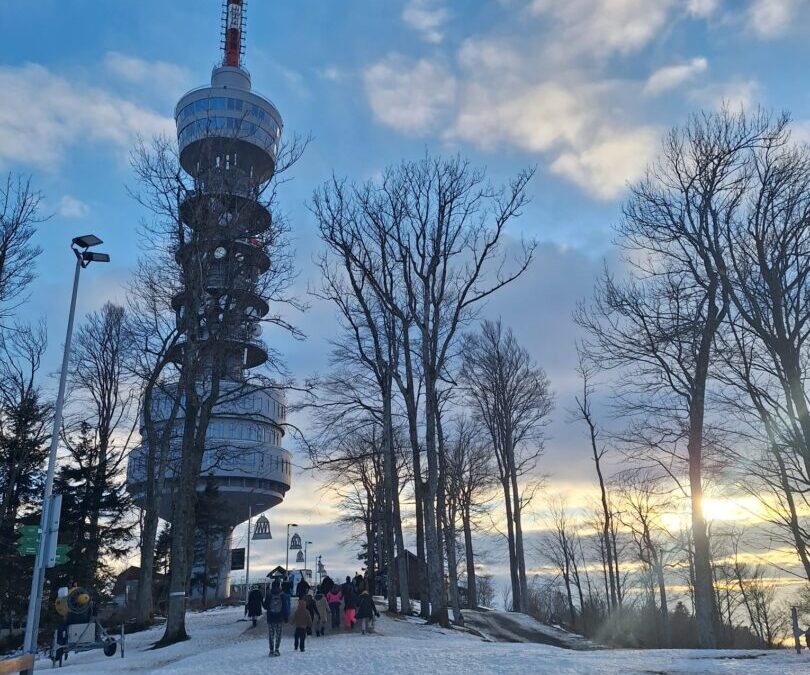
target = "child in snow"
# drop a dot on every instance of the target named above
(323, 612)
(366, 611)
(276, 615)
(334, 597)
(302, 621)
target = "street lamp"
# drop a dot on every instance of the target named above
(80, 247)
(287, 564)
(305, 555)
(247, 566)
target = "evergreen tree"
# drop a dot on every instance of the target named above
(212, 526)
(91, 490)
(23, 452)
(163, 546)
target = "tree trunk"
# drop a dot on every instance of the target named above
(663, 607)
(513, 568)
(472, 590)
(704, 592)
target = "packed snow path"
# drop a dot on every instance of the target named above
(512, 627)
(223, 645)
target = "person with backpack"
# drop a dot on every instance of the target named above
(334, 597)
(349, 605)
(366, 611)
(253, 606)
(276, 615)
(323, 612)
(302, 621)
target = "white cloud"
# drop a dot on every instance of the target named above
(72, 208)
(409, 96)
(603, 27)
(44, 114)
(771, 18)
(702, 8)
(670, 77)
(498, 97)
(426, 17)
(605, 166)
(135, 70)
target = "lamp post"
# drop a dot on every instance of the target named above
(247, 556)
(305, 555)
(84, 256)
(287, 564)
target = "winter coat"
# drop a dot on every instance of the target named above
(349, 597)
(254, 603)
(301, 617)
(366, 607)
(274, 600)
(323, 606)
(334, 597)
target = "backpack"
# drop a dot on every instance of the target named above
(275, 604)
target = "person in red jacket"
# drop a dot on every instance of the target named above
(334, 597)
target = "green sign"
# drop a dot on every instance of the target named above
(29, 540)
(62, 554)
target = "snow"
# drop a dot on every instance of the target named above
(500, 626)
(222, 644)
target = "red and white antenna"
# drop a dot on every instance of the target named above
(234, 30)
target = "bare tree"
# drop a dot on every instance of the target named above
(559, 548)
(471, 478)
(102, 397)
(643, 504)
(441, 225)
(19, 216)
(210, 310)
(661, 325)
(765, 259)
(584, 412)
(513, 398)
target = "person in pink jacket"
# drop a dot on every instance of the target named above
(334, 598)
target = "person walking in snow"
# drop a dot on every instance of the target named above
(327, 585)
(302, 621)
(253, 606)
(366, 611)
(303, 588)
(276, 606)
(323, 612)
(349, 605)
(312, 608)
(334, 597)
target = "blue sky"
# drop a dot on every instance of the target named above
(582, 89)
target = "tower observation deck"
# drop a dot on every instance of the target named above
(228, 138)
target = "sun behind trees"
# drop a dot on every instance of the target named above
(702, 334)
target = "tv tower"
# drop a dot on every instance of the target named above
(228, 138)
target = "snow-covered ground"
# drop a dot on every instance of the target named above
(222, 645)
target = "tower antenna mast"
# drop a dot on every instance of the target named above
(234, 25)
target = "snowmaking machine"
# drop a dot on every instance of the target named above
(80, 630)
